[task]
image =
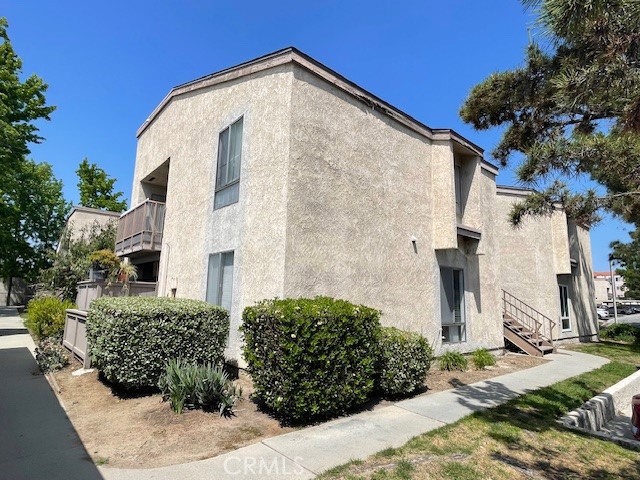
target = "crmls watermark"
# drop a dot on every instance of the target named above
(262, 466)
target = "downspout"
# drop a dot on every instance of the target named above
(164, 268)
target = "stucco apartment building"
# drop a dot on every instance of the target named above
(281, 178)
(603, 286)
(81, 220)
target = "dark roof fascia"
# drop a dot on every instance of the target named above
(293, 55)
(513, 191)
(468, 232)
(96, 211)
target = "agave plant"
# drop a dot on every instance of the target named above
(187, 385)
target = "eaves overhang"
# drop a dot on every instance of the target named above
(468, 232)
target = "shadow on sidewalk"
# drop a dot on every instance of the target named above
(12, 331)
(37, 440)
(10, 311)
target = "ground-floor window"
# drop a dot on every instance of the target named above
(220, 279)
(452, 305)
(564, 308)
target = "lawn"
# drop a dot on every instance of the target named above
(520, 439)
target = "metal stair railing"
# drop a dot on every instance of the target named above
(541, 326)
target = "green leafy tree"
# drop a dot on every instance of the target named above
(21, 103)
(96, 188)
(71, 263)
(32, 207)
(572, 110)
(628, 254)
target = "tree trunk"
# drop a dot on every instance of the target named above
(9, 287)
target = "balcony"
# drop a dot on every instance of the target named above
(140, 229)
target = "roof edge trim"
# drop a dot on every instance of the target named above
(293, 55)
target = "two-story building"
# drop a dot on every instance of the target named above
(281, 178)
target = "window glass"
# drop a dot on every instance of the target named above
(220, 279)
(235, 151)
(452, 305)
(457, 170)
(228, 169)
(564, 307)
(226, 280)
(223, 158)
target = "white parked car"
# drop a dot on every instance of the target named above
(602, 313)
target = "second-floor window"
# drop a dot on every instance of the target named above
(457, 171)
(228, 171)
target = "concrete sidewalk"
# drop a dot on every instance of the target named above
(308, 452)
(37, 440)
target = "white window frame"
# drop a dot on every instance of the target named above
(228, 183)
(567, 317)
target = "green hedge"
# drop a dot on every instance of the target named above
(46, 316)
(311, 358)
(622, 332)
(405, 358)
(133, 338)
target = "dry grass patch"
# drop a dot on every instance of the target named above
(143, 432)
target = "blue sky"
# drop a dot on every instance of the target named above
(108, 64)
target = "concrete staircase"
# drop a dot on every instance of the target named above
(525, 327)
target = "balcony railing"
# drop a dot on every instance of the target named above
(140, 229)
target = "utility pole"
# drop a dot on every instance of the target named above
(613, 290)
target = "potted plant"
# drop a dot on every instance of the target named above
(104, 265)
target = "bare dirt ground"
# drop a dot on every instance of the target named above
(144, 432)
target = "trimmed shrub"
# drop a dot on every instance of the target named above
(621, 332)
(405, 358)
(187, 385)
(46, 315)
(133, 338)
(453, 361)
(311, 358)
(51, 355)
(482, 358)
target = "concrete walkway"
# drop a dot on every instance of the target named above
(37, 440)
(306, 453)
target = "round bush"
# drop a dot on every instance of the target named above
(132, 338)
(482, 358)
(311, 358)
(453, 361)
(51, 355)
(405, 358)
(46, 316)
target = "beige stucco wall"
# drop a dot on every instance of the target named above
(533, 261)
(361, 186)
(583, 306)
(602, 289)
(82, 219)
(187, 132)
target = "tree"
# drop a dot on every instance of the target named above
(33, 214)
(572, 110)
(71, 264)
(96, 188)
(32, 208)
(628, 254)
(21, 103)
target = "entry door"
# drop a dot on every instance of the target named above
(564, 308)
